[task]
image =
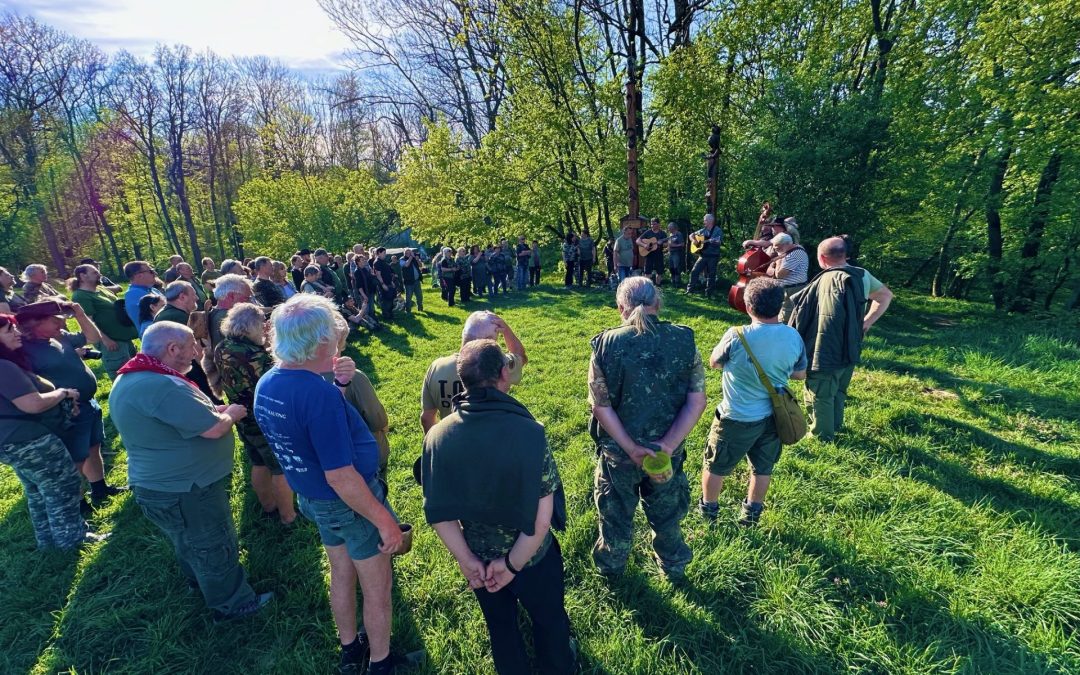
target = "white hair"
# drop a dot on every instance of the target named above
(301, 325)
(244, 320)
(781, 239)
(229, 283)
(33, 269)
(158, 337)
(638, 294)
(479, 326)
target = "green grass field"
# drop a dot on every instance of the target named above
(941, 533)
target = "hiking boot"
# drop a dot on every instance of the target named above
(750, 513)
(710, 512)
(397, 662)
(260, 601)
(106, 493)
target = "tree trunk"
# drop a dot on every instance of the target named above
(159, 193)
(1025, 281)
(993, 227)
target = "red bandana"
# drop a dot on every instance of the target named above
(146, 363)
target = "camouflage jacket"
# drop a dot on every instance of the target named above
(644, 378)
(240, 363)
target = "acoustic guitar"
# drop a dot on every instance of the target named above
(647, 247)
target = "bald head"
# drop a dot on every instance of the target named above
(832, 252)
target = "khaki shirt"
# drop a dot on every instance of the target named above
(441, 383)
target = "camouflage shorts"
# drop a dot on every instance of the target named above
(257, 448)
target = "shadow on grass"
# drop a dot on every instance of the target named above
(1052, 515)
(909, 610)
(35, 587)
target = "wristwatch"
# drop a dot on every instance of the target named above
(343, 385)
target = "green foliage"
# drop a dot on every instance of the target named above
(334, 210)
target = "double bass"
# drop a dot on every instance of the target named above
(752, 264)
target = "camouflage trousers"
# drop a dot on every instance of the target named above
(619, 485)
(53, 489)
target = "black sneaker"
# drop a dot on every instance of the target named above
(260, 601)
(708, 511)
(354, 657)
(397, 662)
(84, 508)
(109, 492)
(750, 513)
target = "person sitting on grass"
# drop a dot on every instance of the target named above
(743, 424)
(180, 465)
(241, 359)
(331, 461)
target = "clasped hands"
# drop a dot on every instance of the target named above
(492, 575)
(637, 453)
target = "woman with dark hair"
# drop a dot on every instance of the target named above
(32, 412)
(149, 306)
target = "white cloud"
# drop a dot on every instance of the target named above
(296, 31)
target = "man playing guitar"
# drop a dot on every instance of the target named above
(706, 243)
(649, 245)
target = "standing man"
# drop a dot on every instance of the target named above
(327, 275)
(508, 263)
(497, 522)
(104, 282)
(209, 274)
(586, 259)
(647, 391)
(331, 461)
(411, 274)
(57, 355)
(266, 290)
(743, 425)
(142, 281)
(187, 274)
(172, 274)
(441, 382)
(623, 253)
(522, 253)
(654, 238)
(676, 243)
(711, 236)
(180, 462)
(832, 317)
(297, 270)
(384, 272)
(181, 302)
(117, 336)
(36, 284)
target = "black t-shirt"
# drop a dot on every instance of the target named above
(385, 271)
(660, 237)
(268, 293)
(522, 249)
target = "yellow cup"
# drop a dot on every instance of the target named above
(658, 467)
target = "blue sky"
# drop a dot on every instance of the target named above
(297, 32)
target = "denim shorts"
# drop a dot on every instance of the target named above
(339, 525)
(87, 430)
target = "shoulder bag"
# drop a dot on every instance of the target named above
(787, 413)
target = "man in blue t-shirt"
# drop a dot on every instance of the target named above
(143, 282)
(331, 460)
(743, 424)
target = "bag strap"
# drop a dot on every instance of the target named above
(760, 371)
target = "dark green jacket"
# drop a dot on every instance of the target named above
(174, 314)
(828, 314)
(484, 463)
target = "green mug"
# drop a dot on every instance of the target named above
(658, 467)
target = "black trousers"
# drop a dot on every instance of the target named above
(465, 284)
(584, 269)
(534, 276)
(568, 280)
(540, 590)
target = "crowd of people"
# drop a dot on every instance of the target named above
(257, 347)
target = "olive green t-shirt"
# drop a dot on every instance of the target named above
(174, 314)
(101, 310)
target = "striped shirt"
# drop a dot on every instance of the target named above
(797, 263)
